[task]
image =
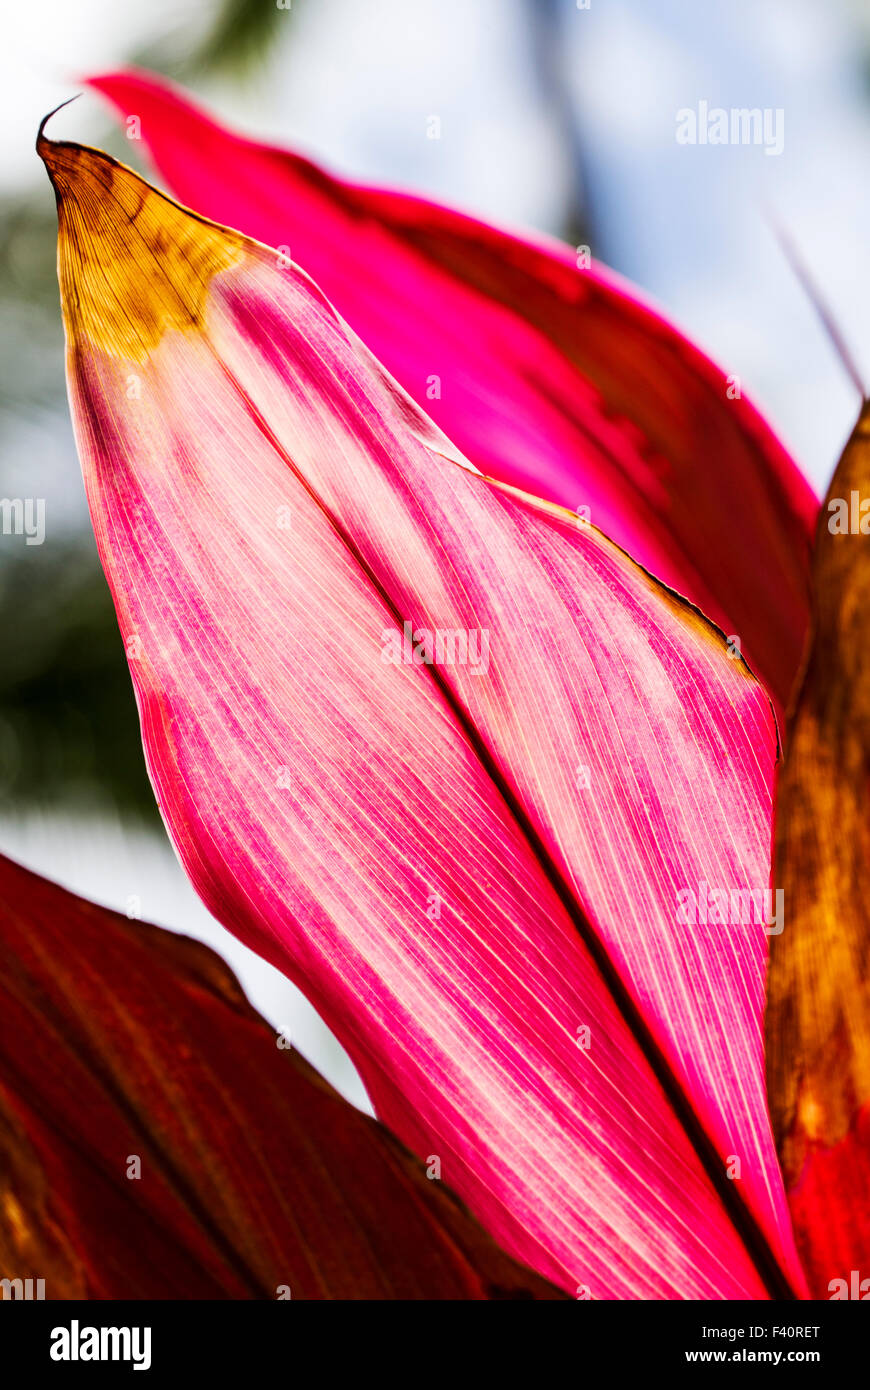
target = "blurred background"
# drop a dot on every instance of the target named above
(556, 114)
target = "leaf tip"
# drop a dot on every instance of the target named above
(44, 146)
(118, 234)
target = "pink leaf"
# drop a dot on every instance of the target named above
(552, 378)
(469, 854)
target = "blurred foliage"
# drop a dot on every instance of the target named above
(236, 44)
(547, 50)
(243, 35)
(31, 337)
(69, 730)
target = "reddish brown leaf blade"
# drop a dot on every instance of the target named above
(121, 1041)
(818, 1012)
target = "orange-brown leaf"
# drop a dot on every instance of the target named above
(818, 1014)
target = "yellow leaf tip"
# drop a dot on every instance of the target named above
(132, 263)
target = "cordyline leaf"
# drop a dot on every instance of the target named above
(552, 378)
(818, 1012)
(464, 838)
(120, 1041)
